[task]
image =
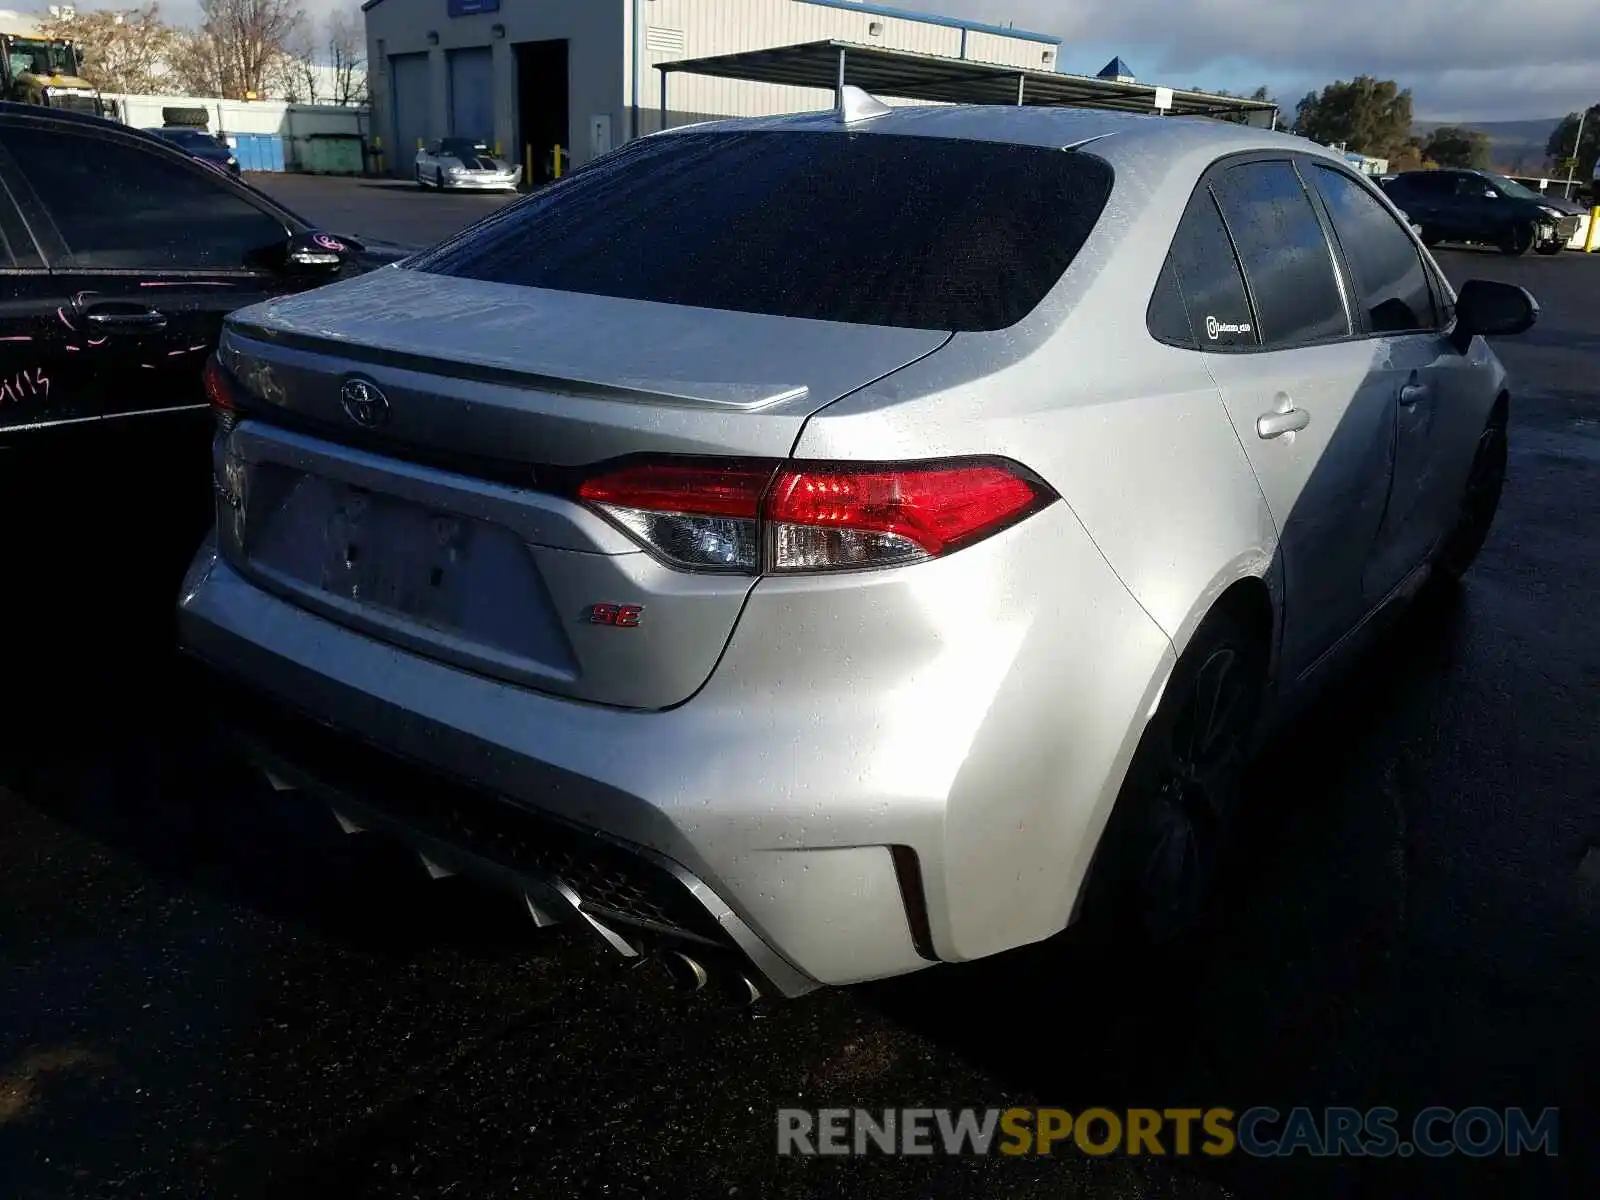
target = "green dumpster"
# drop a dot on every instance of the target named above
(334, 154)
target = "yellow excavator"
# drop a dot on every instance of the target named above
(35, 69)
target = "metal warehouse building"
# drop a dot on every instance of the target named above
(527, 75)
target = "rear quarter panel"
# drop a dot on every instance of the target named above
(1134, 437)
(1132, 433)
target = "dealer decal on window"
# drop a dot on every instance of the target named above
(1216, 328)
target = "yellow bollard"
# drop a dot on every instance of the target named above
(1591, 243)
(558, 161)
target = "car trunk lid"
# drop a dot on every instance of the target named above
(442, 523)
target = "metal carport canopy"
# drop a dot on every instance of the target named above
(910, 76)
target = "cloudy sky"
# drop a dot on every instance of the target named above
(1481, 60)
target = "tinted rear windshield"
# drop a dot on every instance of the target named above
(871, 229)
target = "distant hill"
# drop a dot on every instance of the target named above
(1518, 145)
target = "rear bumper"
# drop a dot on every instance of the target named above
(884, 771)
(629, 897)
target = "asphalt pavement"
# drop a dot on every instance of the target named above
(387, 210)
(207, 990)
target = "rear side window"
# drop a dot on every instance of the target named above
(1429, 184)
(1387, 268)
(1200, 301)
(120, 206)
(1286, 258)
(872, 229)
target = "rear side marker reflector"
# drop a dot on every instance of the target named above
(745, 517)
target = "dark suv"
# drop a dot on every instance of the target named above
(1478, 206)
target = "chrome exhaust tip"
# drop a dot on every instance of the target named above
(686, 973)
(735, 988)
(436, 870)
(741, 990)
(346, 824)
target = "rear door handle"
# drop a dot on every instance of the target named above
(1276, 424)
(1413, 393)
(129, 319)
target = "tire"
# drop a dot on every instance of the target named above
(191, 118)
(1516, 240)
(438, 179)
(1551, 248)
(1168, 835)
(1480, 500)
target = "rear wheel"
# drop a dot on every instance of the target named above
(438, 179)
(1551, 248)
(1167, 836)
(1480, 500)
(1517, 239)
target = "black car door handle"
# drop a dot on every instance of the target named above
(127, 318)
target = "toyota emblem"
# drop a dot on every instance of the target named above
(364, 403)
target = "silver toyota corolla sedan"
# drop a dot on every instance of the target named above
(819, 547)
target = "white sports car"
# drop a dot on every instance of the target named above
(467, 164)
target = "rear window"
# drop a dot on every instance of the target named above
(871, 229)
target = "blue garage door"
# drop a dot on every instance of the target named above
(472, 94)
(408, 85)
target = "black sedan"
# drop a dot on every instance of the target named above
(197, 143)
(122, 256)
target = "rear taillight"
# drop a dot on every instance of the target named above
(826, 516)
(227, 469)
(221, 394)
(746, 517)
(700, 514)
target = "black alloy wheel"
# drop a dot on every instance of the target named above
(1517, 240)
(1480, 500)
(1167, 838)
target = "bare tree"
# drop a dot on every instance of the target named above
(123, 51)
(326, 63)
(299, 74)
(239, 50)
(347, 55)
